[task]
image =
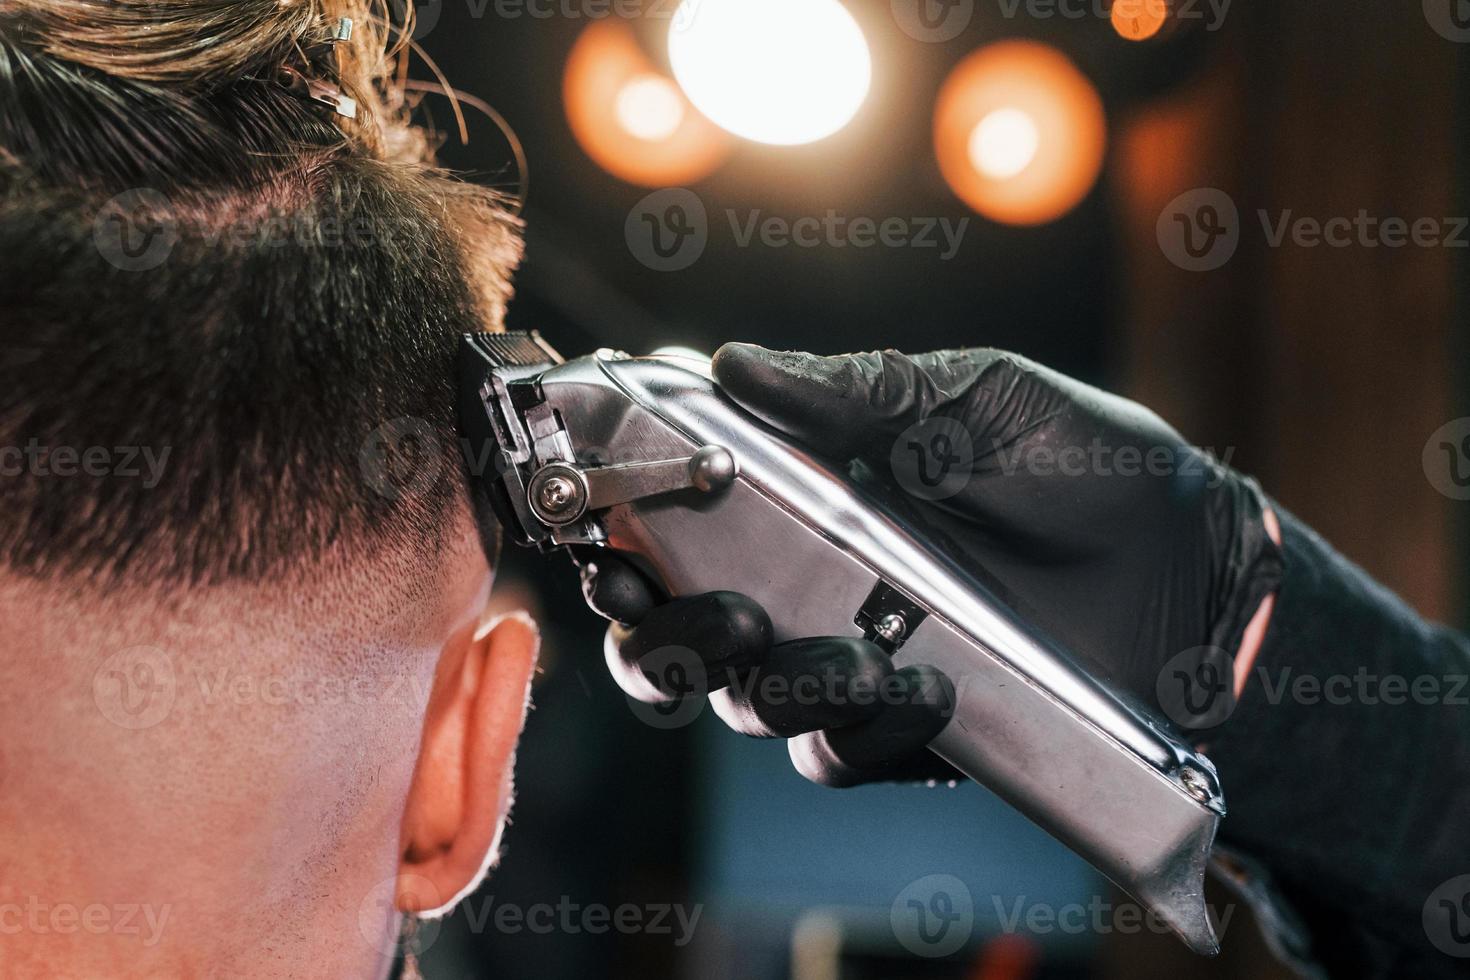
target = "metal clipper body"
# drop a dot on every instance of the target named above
(646, 456)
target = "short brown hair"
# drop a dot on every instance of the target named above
(318, 271)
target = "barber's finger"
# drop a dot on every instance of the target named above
(688, 647)
(807, 685)
(923, 766)
(853, 405)
(613, 588)
(889, 747)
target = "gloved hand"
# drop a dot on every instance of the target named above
(1085, 512)
(867, 721)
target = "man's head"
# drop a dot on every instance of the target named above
(239, 568)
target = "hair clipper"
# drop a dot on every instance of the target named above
(646, 456)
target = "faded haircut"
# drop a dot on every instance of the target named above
(250, 299)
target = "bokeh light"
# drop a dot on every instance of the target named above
(1019, 133)
(650, 107)
(1004, 143)
(631, 119)
(774, 71)
(1139, 20)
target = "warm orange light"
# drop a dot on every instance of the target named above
(1019, 133)
(1004, 143)
(1139, 20)
(650, 107)
(632, 120)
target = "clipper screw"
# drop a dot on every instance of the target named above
(557, 494)
(1195, 783)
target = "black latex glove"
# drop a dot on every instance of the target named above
(1084, 511)
(869, 722)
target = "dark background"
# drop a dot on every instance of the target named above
(1307, 362)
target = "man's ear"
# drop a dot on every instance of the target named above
(462, 784)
